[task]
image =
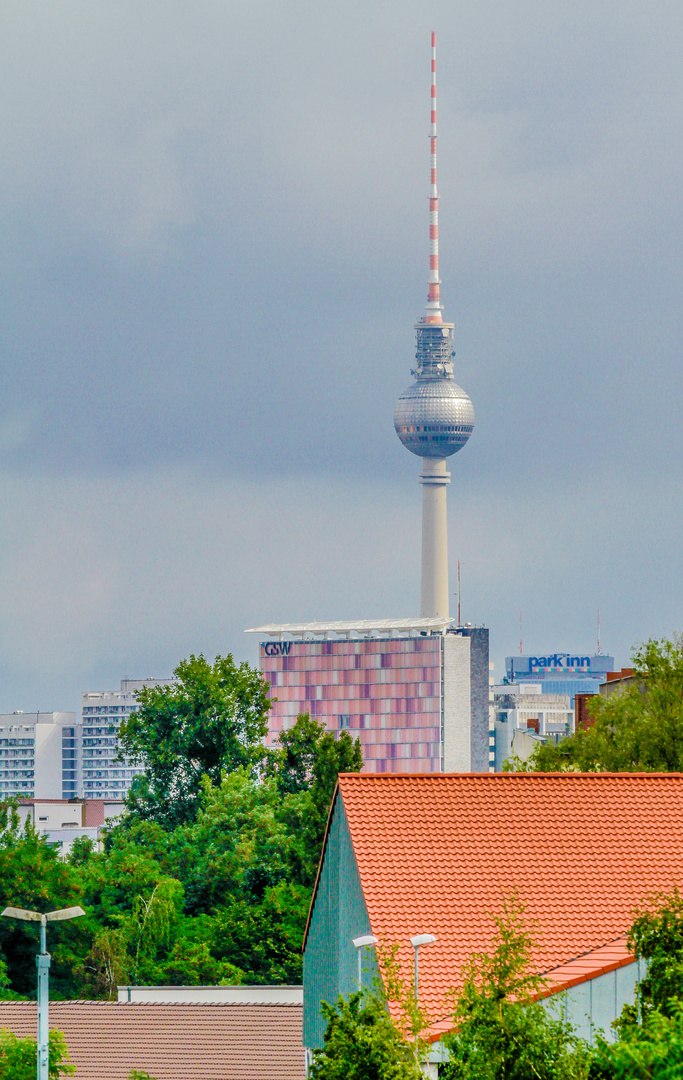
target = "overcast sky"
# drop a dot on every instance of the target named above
(214, 223)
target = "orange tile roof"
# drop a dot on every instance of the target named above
(439, 853)
(171, 1041)
(600, 961)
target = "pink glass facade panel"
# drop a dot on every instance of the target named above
(387, 693)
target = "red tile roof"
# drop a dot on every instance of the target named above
(600, 961)
(172, 1041)
(439, 853)
(597, 962)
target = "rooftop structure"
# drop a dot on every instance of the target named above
(242, 994)
(63, 821)
(434, 417)
(439, 854)
(357, 628)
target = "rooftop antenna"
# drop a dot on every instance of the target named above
(599, 651)
(521, 650)
(434, 308)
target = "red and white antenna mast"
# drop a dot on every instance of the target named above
(433, 300)
(520, 635)
(598, 631)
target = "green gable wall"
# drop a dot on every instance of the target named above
(339, 915)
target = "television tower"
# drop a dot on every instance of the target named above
(434, 417)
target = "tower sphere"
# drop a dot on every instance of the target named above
(434, 418)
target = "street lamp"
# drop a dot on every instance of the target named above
(420, 939)
(43, 963)
(361, 943)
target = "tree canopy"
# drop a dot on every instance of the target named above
(18, 1057)
(211, 720)
(637, 729)
(208, 876)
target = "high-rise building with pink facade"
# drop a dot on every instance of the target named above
(414, 691)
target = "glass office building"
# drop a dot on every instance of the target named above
(415, 692)
(560, 673)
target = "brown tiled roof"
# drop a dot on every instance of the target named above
(439, 853)
(172, 1041)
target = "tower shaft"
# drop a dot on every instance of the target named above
(434, 479)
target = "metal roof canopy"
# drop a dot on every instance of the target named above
(361, 627)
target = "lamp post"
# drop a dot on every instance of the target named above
(43, 963)
(363, 942)
(420, 939)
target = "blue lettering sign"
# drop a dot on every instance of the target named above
(277, 648)
(560, 661)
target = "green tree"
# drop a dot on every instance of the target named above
(18, 1057)
(502, 1032)
(637, 730)
(362, 1043)
(242, 878)
(650, 1032)
(293, 760)
(656, 936)
(211, 720)
(220, 896)
(33, 876)
(374, 1034)
(653, 1051)
(305, 765)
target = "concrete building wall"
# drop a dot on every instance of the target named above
(466, 700)
(479, 696)
(48, 778)
(457, 695)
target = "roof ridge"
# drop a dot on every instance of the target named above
(172, 1004)
(510, 776)
(589, 952)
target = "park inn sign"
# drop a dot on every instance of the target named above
(559, 661)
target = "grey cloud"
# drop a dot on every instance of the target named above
(214, 248)
(112, 578)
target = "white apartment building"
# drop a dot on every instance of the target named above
(39, 755)
(102, 711)
(62, 822)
